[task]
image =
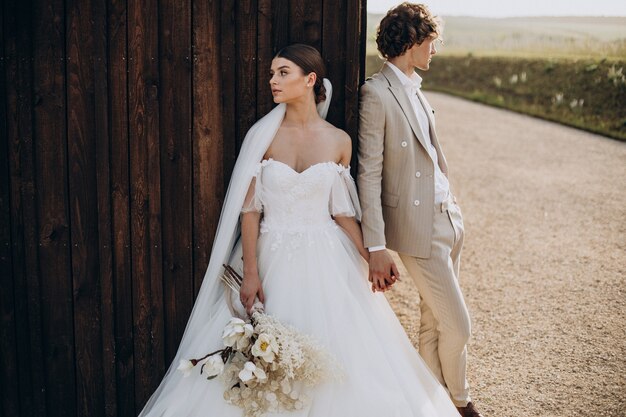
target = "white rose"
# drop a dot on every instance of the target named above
(213, 366)
(265, 347)
(237, 333)
(250, 371)
(185, 367)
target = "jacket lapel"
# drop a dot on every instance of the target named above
(397, 89)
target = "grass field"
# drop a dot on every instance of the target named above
(547, 37)
(571, 70)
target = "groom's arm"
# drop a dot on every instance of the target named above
(369, 178)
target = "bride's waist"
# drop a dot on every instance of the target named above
(299, 226)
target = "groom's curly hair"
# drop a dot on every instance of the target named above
(403, 26)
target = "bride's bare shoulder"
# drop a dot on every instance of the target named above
(335, 133)
(341, 143)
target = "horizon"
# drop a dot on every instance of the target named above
(523, 17)
(531, 8)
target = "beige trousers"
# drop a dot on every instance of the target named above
(445, 323)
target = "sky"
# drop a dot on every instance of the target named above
(507, 8)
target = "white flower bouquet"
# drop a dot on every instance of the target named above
(265, 365)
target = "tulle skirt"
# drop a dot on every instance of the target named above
(315, 280)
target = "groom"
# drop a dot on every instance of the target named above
(405, 195)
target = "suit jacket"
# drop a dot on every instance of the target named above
(395, 172)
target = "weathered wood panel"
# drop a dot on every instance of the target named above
(176, 167)
(334, 38)
(9, 393)
(24, 221)
(280, 24)
(229, 87)
(208, 143)
(82, 139)
(145, 196)
(265, 53)
(101, 111)
(120, 123)
(54, 235)
(246, 38)
(122, 299)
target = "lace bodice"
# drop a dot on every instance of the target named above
(295, 201)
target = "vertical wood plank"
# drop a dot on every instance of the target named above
(264, 57)
(9, 393)
(312, 25)
(361, 80)
(24, 220)
(83, 198)
(55, 264)
(352, 64)
(208, 139)
(176, 164)
(280, 25)
(120, 212)
(228, 32)
(104, 202)
(246, 67)
(334, 54)
(145, 183)
(296, 21)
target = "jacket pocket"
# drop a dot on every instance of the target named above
(390, 200)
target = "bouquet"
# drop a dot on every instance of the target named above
(264, 364)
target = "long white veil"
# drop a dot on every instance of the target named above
(225, 246)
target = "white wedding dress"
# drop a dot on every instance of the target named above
(315, 279)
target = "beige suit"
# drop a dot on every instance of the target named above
(397, 193)
(395, 168)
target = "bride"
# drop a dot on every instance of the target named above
(303, 257)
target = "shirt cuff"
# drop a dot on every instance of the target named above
(376, 248)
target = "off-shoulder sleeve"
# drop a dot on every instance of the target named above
(254, 197)
(344, 200)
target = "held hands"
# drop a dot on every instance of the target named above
(251, 289)
(383, 271)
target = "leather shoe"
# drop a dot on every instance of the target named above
(469, 411)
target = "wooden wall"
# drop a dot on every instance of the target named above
(120, 123)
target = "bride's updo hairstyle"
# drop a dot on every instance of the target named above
(309, 60)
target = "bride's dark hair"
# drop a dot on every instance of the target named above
(310, 60)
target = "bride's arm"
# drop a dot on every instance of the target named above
(353, 230)
(349, 224)
(250, 220)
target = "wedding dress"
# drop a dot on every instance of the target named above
(315, 279)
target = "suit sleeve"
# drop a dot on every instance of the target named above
(369, 179)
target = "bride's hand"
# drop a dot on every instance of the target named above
(251, 288)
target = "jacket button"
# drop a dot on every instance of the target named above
(418, 174)
(416, 202)
(404, 144)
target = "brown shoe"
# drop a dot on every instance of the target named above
(469, 411)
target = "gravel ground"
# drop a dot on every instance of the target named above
(544, 263)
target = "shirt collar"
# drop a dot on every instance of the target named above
(414, 81)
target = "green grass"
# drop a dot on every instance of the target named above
(589, 94)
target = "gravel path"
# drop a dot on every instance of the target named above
(544, 263)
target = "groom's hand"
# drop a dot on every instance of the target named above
(383, 270)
